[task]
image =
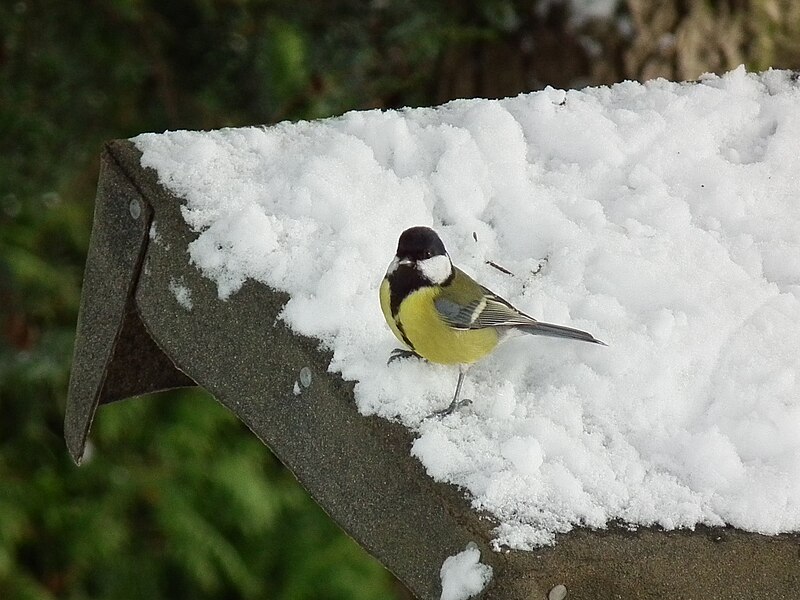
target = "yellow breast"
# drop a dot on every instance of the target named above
(429, 336)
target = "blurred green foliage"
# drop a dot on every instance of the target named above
(184, 504)
(178, 499)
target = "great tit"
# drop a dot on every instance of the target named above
(443, 315)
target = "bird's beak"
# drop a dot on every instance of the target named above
(405, 262)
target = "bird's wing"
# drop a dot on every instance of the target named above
(488, 311)
(493, 311)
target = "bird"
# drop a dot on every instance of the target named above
(442, 315)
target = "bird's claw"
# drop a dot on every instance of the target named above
(454, 406)
(399, 353)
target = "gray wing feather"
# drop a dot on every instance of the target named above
(457, 316)
(497, 312)
(491, 311)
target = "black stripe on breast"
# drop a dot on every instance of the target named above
(403, 333)
(401, 283)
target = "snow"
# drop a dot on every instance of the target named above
(182, 294)
(662, 217)
(463, 575)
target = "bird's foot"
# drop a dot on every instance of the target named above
(400, 353)
(454, 406)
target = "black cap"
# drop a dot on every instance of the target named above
(419, 243)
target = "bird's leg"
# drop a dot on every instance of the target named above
(456, 403)
(399, 353)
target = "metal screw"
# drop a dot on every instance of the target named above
(559, 592)
(135, 208)
(305, 377)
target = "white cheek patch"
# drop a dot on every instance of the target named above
(436, 268)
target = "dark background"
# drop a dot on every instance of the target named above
(178, 500)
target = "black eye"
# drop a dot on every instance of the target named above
(427, 254)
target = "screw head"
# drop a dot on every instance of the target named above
(305, 377)
(135, 209)
(558, 592)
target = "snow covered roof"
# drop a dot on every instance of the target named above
(662, 217)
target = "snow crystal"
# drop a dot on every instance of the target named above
(183, 295)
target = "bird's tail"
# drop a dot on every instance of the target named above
(559, 331)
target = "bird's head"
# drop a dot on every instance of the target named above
(421, 249)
